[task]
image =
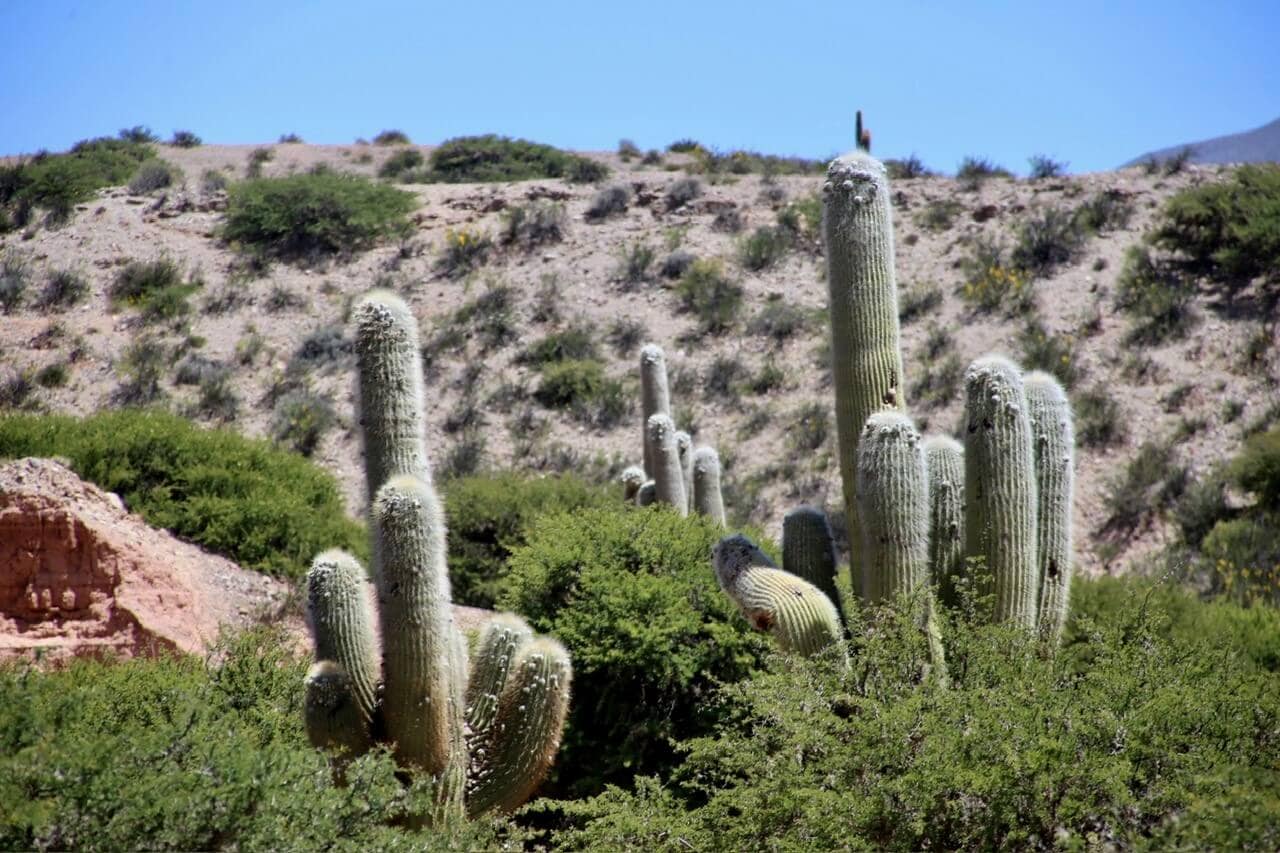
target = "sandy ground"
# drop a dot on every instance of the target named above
(764, 476)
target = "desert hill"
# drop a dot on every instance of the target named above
(1260, 145)
(756, 389)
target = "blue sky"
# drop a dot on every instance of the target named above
(1089, 83)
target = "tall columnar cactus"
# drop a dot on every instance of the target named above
(796, 613)
(485, 734)
(668, 475)
(893, 505)
(654, 397)
(866, 359)
(707, 499)
(684, 449)
(809, 550)
(1053, 435)
(1000, 487)
(944, 459)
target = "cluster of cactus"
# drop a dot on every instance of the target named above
(922, 512)
(674, 472)
(486, 731)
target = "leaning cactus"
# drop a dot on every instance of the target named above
(485, 733)
(1054, 442)
(893, 505)
(663, 453)
(944, 459)
(654, 397)
(796, 613)
(809, 550)
(866, 359)
(1000, 487)
(707, 499)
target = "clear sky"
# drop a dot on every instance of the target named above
(1090, 83)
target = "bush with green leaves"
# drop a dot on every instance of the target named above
(1157, 296)
(62, 289)
(154, 175)
(1228, 231)
(581, 387)
(185, 139)
(155, 288)
(763, 248)
(1148, 730)
(179, 753)
(706, 290)
(490, 158)
(630, 594)
(15, 275)
(312, 215)
(268, 510)
(402, 161)
(1046, 240)
(56, 183)
(489, 518)
(531, 225)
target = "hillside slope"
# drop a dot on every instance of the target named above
(1260, 145)
(759, 391)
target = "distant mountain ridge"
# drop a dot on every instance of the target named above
(1260, 145)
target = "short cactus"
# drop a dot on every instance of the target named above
(684, 449)
(486, 734)
(1000, 487)
(809, 550)
(654, 396)
(893, 505)
(794, 612)
(944, 460)
(1054, 443)
(707, 499)
(632, 479)
(668, 475)
(647, 495)
(865, 354)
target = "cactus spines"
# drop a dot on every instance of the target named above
(809, 550)
(1053, 437)
(668, 476)
(707, 499)
(654, 397)
(684, 448)
(866, 358)
(341, 620)
(893, 506)
(944, 459)
(632, 479)
(797, 614)
(514, 755)
(333, 717)
(1000, 487)
(648, 494)
(417, 625)
(389, 361)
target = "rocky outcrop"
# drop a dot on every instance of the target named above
(80, 575)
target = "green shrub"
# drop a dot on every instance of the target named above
(154, 287)
(684, 146)
(154, 175)
(1149, 483)
(185, 139)
(268, 510)
(489, 518)
(682, 192)
(52, 375)
(993, 283)
(632, 595)
(179, 754)
(1108, 210)
(300, 418)
(1158, 298)
(634, 262)
(391, 137)
(1045, 167)
(938, 382)
(139, 133)
(610, 201)
(316, 214)
(483, 159)
(464, 252)
(974, 170)
(14, 278)
(763, 248)
(939, 215)
(62, 289)
(143, 363)
(1257, 468)
(1229, 231)
(1046, 241)
(801, 219)
(911, 167)
(56, 183)
(1048, 351)
(581, 387)
(532, 225)
(1099, 421)
(1150, 732)
(918, 299)
(400, 162)
(707, 291)
(576, 342)
(780, 320)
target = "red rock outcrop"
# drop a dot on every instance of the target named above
(80, 575)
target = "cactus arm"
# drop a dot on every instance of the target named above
(525, 733)
(1054, 444)
(944, 460)
(684, 449)
(797, 614)
(502, 637)
(893, 505)
(707, 498)
(1000, 487)
(668, 476)
(809, 551)
(342, 626)
(654, 397)
(333, 717)
(866, 358)
(417, 626)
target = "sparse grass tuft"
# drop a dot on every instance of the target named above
(1099, 421)
(529, 226)
(779, 320)
(917, 300)
(154, 175)
(62, 289)
(939, 215)
(610, 201)
(707, 291)
(682, 192)
(634, 263)
(763, 248)
(464, 251)
(1046, 241)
